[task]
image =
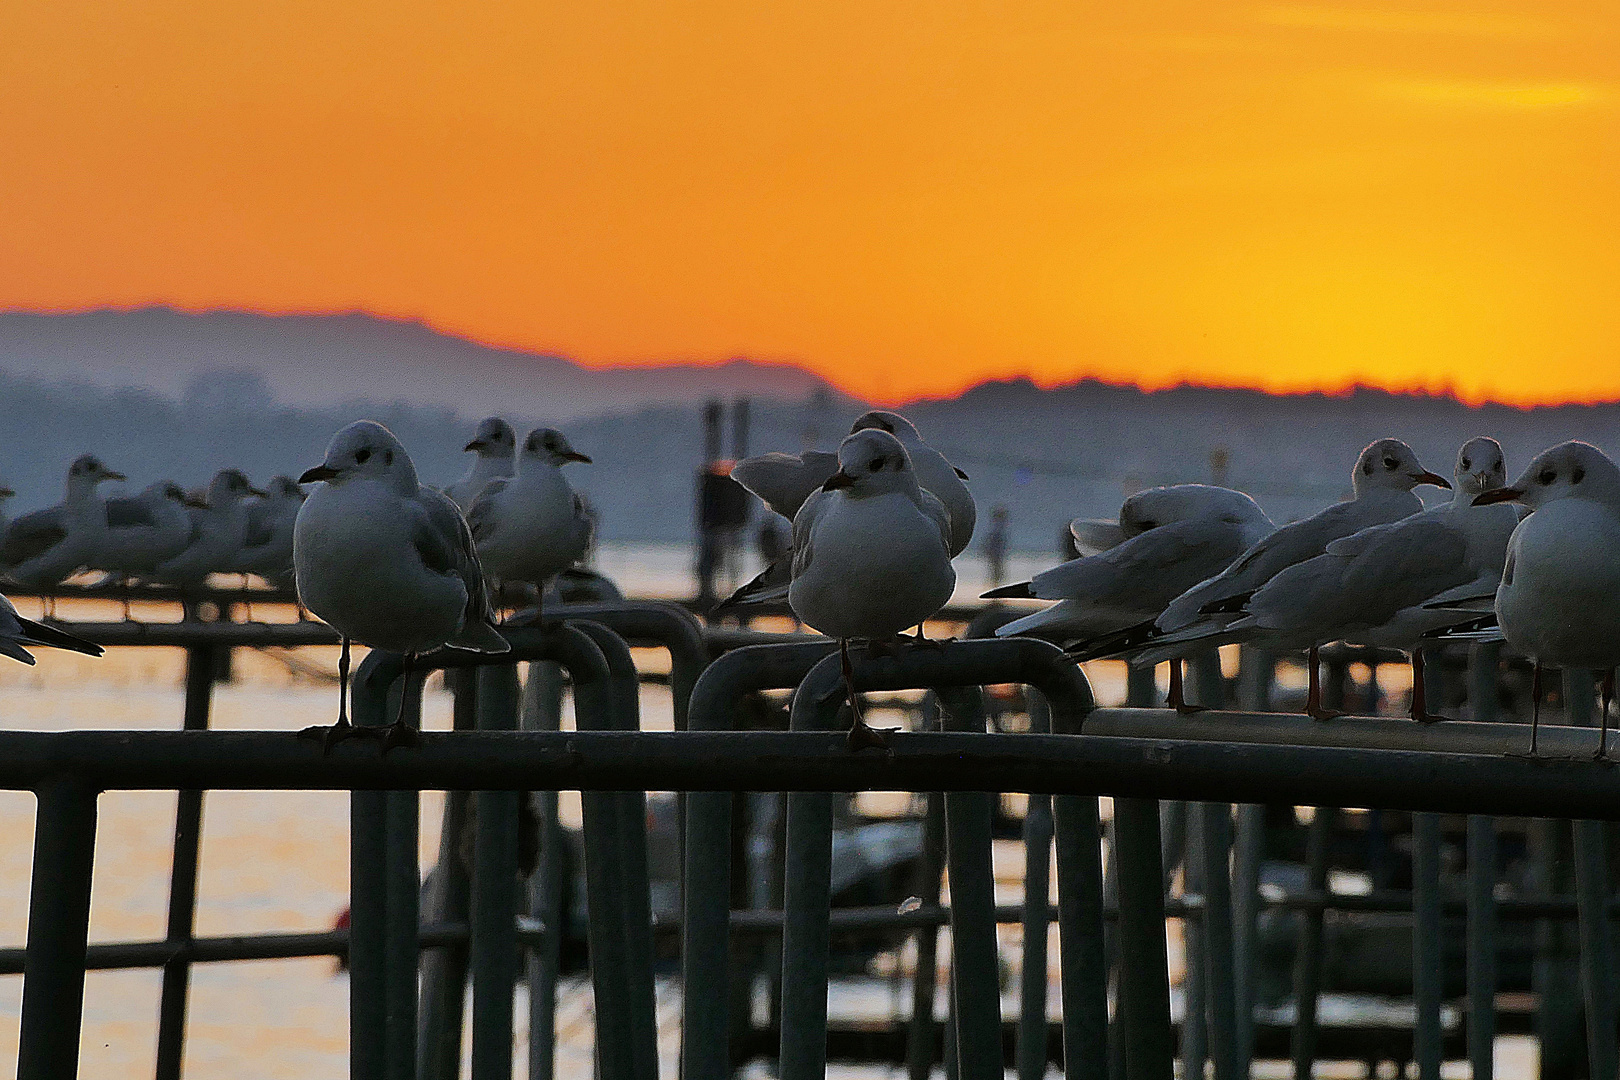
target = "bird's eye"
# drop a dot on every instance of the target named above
(1367, 467)
(1467, 464)
(1577, 474)
(1391, 464)
(362, 456)
(1548, 476)
(1498, 464)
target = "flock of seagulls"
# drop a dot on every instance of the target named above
(396, 565)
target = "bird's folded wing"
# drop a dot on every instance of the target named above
(1093, 536)
(126, 513)
(1144, 572)
(481, 511)
(32, 534)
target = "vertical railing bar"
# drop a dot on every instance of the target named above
(633, 906)
(1481, 933)
(58, 929)
(493, 946)
(368, 889)
(807, 873)
(974, 956)
(1084, 963)
(921, 1035)
(1592, 893)
(542, 711)
(1427, 945)
(403, 884)
(1255, 673)
(444, 970)
(200, 665)
(1308, 955)
(1219, 981)
(1030, 1047)
(1144, 975)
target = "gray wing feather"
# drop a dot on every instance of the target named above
(445, 543)
(784, 481)
(125, 513)
(32, 535)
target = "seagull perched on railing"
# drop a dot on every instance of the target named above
(45, 547)
(1177, 537)
(495, 443)
(218, 530)
(386, 561)
(1390, 584)
(533, 525)
(16, 632)
(1559, 601)
(871, 554)
(144, 532)
(1382, 481)
(783, 482)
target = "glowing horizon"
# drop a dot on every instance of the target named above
(908, 201)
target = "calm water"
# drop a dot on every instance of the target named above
(278, 861)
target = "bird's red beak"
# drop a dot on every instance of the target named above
(1498, 495)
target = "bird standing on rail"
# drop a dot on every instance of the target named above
(871, 554)
(1177, 537)
(1559, 600)
(532, 526)
(267, 544)
(144, 532)
(386, 561)
(495, 443)
(218, 531)
(784, 482)
(1382, 481)
(46, 547)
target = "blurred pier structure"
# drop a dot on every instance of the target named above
(1236, 886)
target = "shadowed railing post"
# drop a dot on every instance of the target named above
(58, 925)
(200, 665)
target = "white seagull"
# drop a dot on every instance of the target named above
(16, 632)
(495, 443)
(1390, 584)
(1559, 601)
(144, 532)
(532, 526)
(1177, 537)
(45, 547)
(385, 561)
(871, 553)
(1382, 481)
(218, 531)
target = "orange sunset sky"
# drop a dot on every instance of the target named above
(906, 197)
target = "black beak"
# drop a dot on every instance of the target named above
(1496, 495)
(196, 502)
(839, 479)
(6, 493)
(317, 474)
(575, 455)
(1433, 478)
(960, 475)
(476, 444)
(260, 494)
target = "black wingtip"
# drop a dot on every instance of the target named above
(40, 634)
(1019, 591)
(1472, 626)
(1231, 605)
(1132, 637)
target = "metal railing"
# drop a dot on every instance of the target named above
(1111, 928)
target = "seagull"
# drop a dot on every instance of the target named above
(1385, 473)
(871, 554)
(267, 543)
(218, 531)
(532, 526)
(16, 632)
(387, 562)
(783, 482)
(1390, 584)
(45, 547)
(1557, 602)
(144, 532)
(1177, 537)
(495, 443)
